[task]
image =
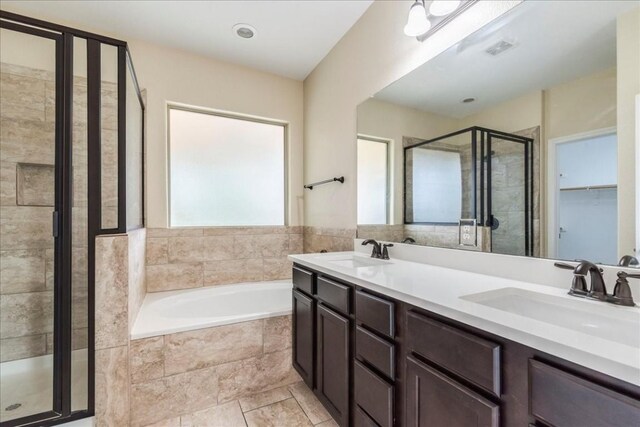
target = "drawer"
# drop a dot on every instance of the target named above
(560, 399)
(473, 358)
(334, 294)
(303, 280)
(361, 419)
(376, 313)
(375, 351)
(373, 394)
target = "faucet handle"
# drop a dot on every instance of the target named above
(622, 292)
(579, 283)
(564, 265)
(624, 274)
(385, 252)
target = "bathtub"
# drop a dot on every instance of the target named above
(164, 313)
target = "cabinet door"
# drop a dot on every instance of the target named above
(303, 336)
(332, 376)
(434, 400)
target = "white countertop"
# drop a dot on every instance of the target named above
(440, 290)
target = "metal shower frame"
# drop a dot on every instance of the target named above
(62, 225)
(481, 138)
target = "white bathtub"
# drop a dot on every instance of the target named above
(177, 311)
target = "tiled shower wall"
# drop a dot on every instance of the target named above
(27, 130)
(182, 258)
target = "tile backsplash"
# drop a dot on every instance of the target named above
(183, 258)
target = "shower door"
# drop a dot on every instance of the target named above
(43, 301)
(508, 167)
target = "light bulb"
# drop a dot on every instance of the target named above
(443, 7)
(417, 23)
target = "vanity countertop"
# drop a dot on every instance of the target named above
(582, 331)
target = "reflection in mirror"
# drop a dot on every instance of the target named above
(513, 140)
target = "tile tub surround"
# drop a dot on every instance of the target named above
(317, 239)
(119, 285)
(183, 258)
(178, 374)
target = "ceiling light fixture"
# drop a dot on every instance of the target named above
(245, 31)
(417, 22)
(443, 7)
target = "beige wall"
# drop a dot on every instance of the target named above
(373, 54)
(582, 105)
(628, 44)
(523, 112)
(171, 75)
(386, 120)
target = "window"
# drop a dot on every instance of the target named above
(373, 181)
(225, 171)
(437, 186)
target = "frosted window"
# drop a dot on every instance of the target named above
(437, 186)
(225, 171)
(372, 182)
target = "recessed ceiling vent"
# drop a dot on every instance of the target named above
(245, 31)
(500, 47)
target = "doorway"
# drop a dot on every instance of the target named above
(583, 220)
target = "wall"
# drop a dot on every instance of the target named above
(373, 54)
(582, 105)
(628, 54)
(386, 120)
(171, 75)
(182, 258)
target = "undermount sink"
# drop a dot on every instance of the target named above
(358, 262)
(611, 322)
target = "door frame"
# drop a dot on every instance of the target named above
(552, 183)
(637, 175)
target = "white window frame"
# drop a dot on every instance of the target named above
(389, 143)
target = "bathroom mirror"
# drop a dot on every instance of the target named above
(517, 140)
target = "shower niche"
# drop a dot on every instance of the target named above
(475, 176)
(71, 153)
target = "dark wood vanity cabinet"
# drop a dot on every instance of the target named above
(434, 399)
(303, 333)
(333, 363)
(321, 334)
(377, 362)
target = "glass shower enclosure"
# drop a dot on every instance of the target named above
(71, 152)
(478, 174)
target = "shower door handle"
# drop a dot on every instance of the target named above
(55, 224)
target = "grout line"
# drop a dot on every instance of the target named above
(269, 404)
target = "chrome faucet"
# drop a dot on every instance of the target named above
(597, 289)
(385, 252)
(376, 252)
(628, 261)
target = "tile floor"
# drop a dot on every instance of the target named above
(289, 406)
